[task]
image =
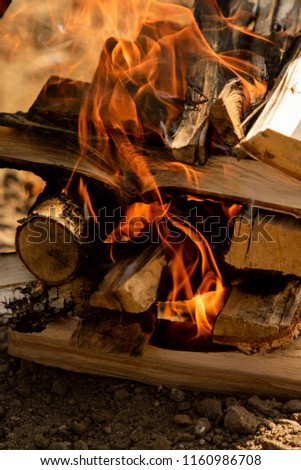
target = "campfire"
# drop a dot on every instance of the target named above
(171, 213)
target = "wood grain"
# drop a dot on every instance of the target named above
(276, 374)
(222, 178)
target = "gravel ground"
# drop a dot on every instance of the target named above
(47, 408)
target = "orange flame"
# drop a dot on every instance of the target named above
(139, 88)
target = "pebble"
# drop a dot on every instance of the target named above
(202, 427)
(260, 405)
(40, 442)
(59, 446)
(296, 417)
(272, 444)
(184, 406)
(79, 427)
(292, 406)
(59, 387)
(183, 420)
(211, 408)
(177, 395)
(121, 395)
(102, 416)
(80, 445)
(240, 420)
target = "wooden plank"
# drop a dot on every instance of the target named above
(222, 178)
(275, 374)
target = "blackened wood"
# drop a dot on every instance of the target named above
(4, 4)
(205, 79)
(59, 103)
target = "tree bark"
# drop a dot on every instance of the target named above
(27, 304)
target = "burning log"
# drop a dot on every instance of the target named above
(260, 316)
(275, 138)
(28, 305)
(132, 284)
(222, 178)
(266, 241)
(189, 143)
(59, 102)
(51, 241)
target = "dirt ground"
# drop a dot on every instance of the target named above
(48, 408)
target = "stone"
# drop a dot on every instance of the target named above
(177, 395)
(79, 427)
(59, 387)
(40, 442)
(211, 408)
(202, 427)
(292, 406)
(240, 420)
(80, 445)
(121, 395)
(183, 420)
(272, 444)
(59, 446)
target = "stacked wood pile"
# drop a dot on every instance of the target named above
(122, 305)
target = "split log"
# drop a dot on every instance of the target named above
(222, 178)
(275, 138)
(222, 372)
(51, 241)
(28, 305)
(132, 284)
(260, 316)
(204, 82)
(114, 333)
(227, 112)
(266, 241)
(278, 22)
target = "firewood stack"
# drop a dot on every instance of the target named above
(228, 165)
